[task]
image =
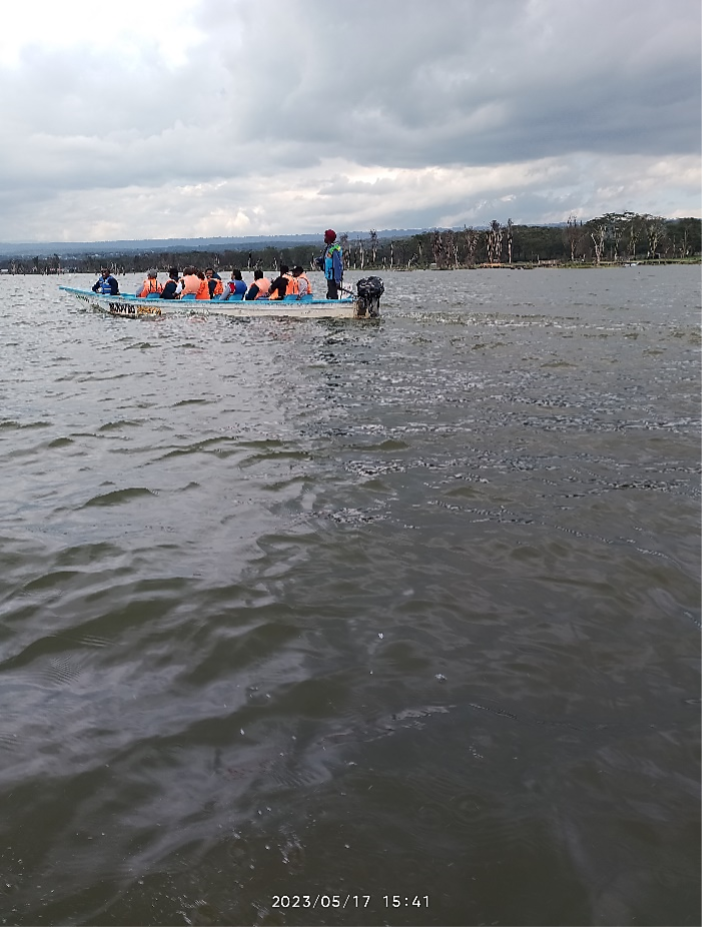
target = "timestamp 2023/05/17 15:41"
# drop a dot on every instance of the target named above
(350, 901)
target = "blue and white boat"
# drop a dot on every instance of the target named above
(364, 304)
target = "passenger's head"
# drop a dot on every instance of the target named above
(297, 270)
(258, 274)
(209, 273)
(283, 269)
(105, 272)
(236, 275)
(174, 273)
(152, 273)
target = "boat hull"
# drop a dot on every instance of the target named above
(127, 305)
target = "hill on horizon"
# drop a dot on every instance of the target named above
(205, 244)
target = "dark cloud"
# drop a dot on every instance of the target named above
(301, 109)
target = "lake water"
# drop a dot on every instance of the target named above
(360, 609)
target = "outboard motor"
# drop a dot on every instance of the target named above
(369, 291)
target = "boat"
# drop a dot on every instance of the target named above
(364, 304)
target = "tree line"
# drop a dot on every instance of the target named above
(611, 238)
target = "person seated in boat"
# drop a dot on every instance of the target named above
(106, 284)
(303, 284)
(195, 286)
(283, 286)
(215, 284)
(259, 289)
(150, 286)
(235, 289)
(172, 289)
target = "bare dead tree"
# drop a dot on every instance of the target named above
(470, 236)
(509, 239)
(654, 234)
(633, 235)
(684, 248)
(450, 251)
(345, 249)
(494, 243)
(598, 242)
(572, 235)
(436, 248)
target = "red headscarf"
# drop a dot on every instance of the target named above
(329, 236)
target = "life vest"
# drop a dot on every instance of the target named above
(264, 285)
(172, 293)
(105, 285)
(292, 288)
(203, 293)
(150, 286)
(307, 289)
(333, 262)
(191, 285)
(218, 286)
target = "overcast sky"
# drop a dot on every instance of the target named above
(165, 118)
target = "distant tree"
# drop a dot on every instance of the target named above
(685, 249)
(509, 239)
(470, 237)
(494, 243)
(654, 234)
(573, 234)
(597, 231)
(373, 246)
(437, 247)
(450, 249)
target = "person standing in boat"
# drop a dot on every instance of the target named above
(259, 289)
(150, 285)
(332, 263)
(303, 284)
(172, 289)
(106, 284)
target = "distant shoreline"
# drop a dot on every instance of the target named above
(379, 269)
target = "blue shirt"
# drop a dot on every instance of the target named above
(239, 292)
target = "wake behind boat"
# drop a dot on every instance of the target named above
(363, 304)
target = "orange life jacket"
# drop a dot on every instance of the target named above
(192, 283)
(203, 293)
(150, 286)
(264, 285)
(218, 286)
(291, 288)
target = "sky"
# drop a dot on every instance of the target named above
(196, 118)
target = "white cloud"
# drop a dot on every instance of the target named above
(216, 117)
